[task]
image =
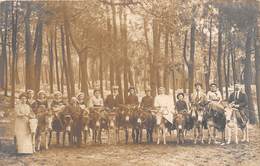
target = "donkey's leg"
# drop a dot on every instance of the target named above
(141, 135)
(126, 135)
(202, 136)
(63, 137)
(195, 135)
(108, 137)
(164, 135)
(33, 142)
(47, 136)
(209, 135)
(50, 137)
(178, 136)
(236, 133)
(229, 130)
(133, 135)
(117, 135)
(158, 135)
(148, 136)
(58, 137)
(39, 140)
(137, 135)
(85, 136)
(247, 134)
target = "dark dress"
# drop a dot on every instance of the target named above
(181, 106)
(39, 103)
(147, 102)
(112, 101)
(57, 123)
(131, 100)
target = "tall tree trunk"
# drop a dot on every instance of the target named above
(29, 50)
(150, 60)
(65, 68)
(233, 62)
(166, 68)
(208, 66)
(114, 45)
(101, 66)
(56, 60)
(225, 59)
(38, 57)
(62, 75)
(192, 55)
(173, 72)
(69, 60)
(248, 77)
(190, 62)
(51, 61)
(123, 29)
(3, 61)
(14, 51)
(156, 52)
(257, 66)
(219, 58)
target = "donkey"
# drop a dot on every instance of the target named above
(234, 121)
(44, 126)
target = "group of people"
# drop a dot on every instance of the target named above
(29, 102)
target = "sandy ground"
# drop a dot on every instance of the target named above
(243, 154)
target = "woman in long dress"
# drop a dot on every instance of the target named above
(22, 131)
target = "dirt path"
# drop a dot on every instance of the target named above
(244, 154)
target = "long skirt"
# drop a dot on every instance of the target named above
(23, 136)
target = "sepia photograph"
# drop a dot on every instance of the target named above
(130, 82)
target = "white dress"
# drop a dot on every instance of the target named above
(166, 104)
(22, 131)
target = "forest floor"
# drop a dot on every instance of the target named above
(188, 154)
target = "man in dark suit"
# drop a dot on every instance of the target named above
(113, 100)
(239, 100)
(147, 100)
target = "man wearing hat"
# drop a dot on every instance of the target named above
(181, 105)
(30, 97)
(40, 101)
(198, 97)
(147, 100)
(131, 99)
(239, 100)
(113, 100)
(165, 104)
(96, 100)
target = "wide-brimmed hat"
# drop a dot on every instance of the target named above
(41, 92)
(96, 90)
(213, 84)
(131, 87)
(198, 84)
(57, 93)
(29, 91)
(162, 88)
(74, 99)
(80, 94)
(180, 94)
(23, 94)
